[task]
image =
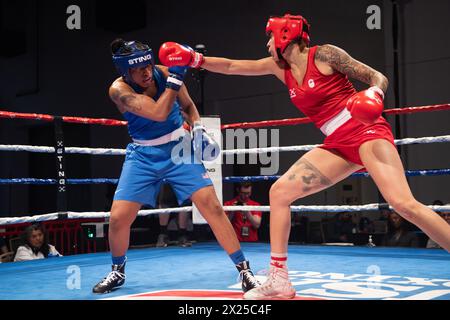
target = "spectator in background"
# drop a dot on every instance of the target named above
(380, 225)
(446, 216)
(365, 225)
(3, 246)
(344, 226)
(384, 214)
(245, 223)
(399, 234)
(299, 228)
(36, 245)
(5, 254)
(167, 199)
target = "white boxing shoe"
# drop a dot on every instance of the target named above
(277, 286)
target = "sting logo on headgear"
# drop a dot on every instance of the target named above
(133, 54)
(140, 59)
(287, 29)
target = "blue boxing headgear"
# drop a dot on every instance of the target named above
(133, 54)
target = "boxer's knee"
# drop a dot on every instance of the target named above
(213, 207)
(207, 202)
(281, 193)
(408, 208)
(122, 216)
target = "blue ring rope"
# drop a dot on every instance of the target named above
(53, 181)
(409, 173)
(33, 181)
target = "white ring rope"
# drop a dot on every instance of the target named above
(316, 209)
(73, 150)
(107, 151)
(405, 141)
(31, 219)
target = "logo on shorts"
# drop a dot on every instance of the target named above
(205, 175)
(370, 132)
(311, 83)
(292, 93)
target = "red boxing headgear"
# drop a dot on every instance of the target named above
(287, 29)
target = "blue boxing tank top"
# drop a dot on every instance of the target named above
(140, 128)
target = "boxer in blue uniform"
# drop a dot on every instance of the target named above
(155, 103)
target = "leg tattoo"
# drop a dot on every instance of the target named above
(310, 176)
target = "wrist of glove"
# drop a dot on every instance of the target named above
(205, 148)
(377, 90)
(197, 60)
(198, 127)
(176, 76)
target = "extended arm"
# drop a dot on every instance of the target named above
(174, 54)
(265, 66)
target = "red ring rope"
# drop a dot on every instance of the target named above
(294, 121)
(242, 125)
(46, 117)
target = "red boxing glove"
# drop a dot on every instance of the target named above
(366, 106)
(174, 54)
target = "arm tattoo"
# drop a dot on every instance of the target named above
(126, 100)
(311, 178)
(130, 102)
(341, 61)
(115, 95)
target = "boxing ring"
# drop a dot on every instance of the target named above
(316, 271)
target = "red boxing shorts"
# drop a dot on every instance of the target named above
(347, 139)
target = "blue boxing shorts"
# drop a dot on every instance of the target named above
(147, 167)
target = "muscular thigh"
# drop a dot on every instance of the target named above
(384, 165)
(317, 170)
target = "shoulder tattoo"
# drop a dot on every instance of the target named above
(341, 61)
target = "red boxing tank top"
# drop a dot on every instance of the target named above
(319, 97)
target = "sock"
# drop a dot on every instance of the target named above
(278, 260)
(237, 257)
(163, 229)
(118, 260)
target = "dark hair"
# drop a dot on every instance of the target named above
(116, 45)
(244, 184)
(438, 203)
(45, 248)
(301, 42)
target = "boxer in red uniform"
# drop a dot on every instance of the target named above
(356, 134)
